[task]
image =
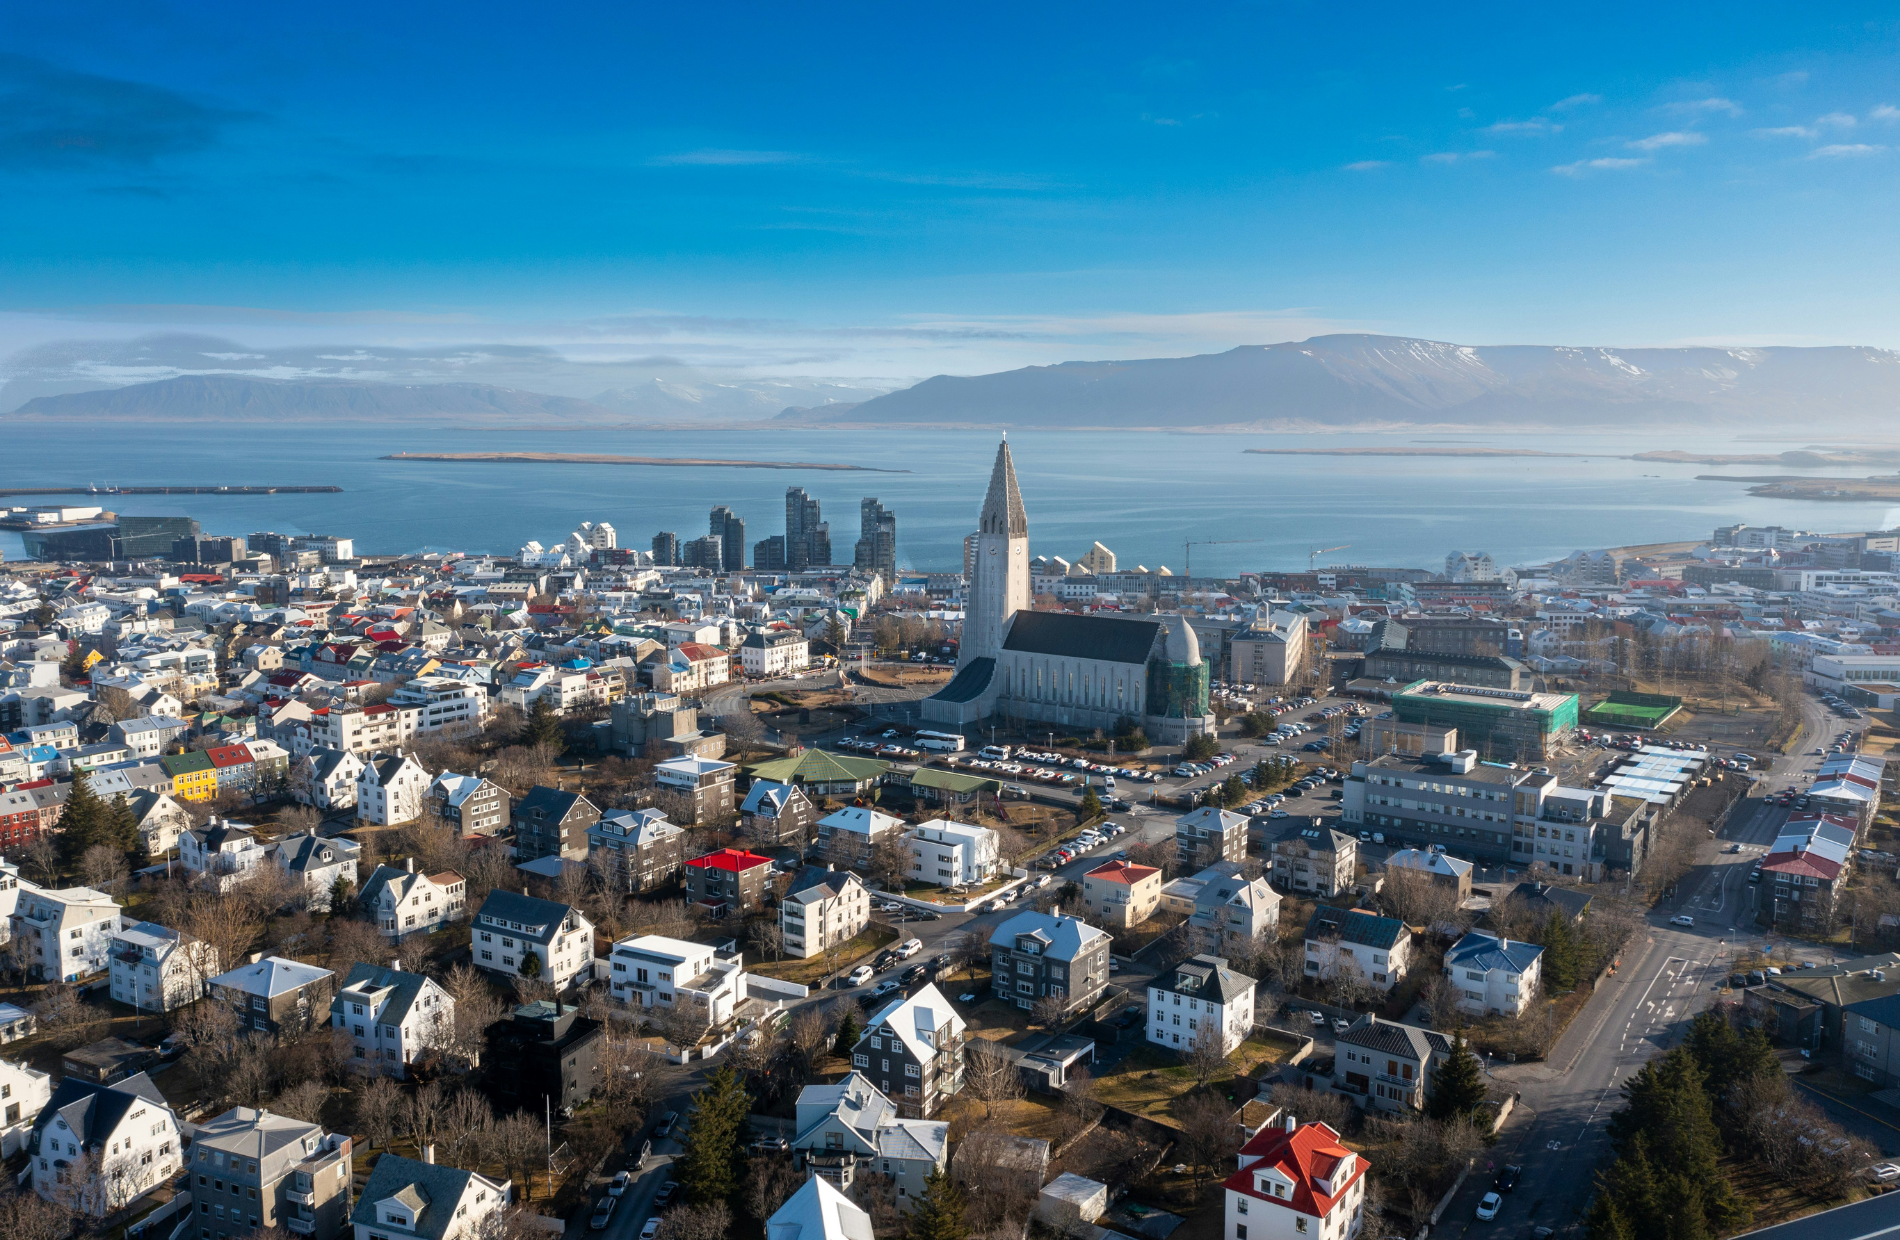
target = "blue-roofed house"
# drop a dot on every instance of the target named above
(1494, 975)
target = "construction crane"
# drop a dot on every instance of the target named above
(1312, 557)
(1187, 549)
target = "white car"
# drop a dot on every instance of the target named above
(1885, 1171)
(651, 1229)
(1682, 919)
(1489, 1206)
(860, 975)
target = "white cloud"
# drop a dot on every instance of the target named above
(1367, 165)
(1885, 112)
(1576, 101)
(1597, 165)
(1845, 150)
(727, 158)
(1837, 120)
(1536, 125)
(1788, 131)
(1713, 104)
(1656, 142)
(1452, 157)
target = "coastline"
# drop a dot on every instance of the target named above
(599, 458)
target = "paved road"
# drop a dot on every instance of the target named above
(1864, 1220)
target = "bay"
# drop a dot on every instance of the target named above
(1142, 494)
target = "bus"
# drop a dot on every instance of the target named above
(939, 742)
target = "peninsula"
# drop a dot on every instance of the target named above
(596, 458)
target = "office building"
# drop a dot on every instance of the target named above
(877, 540)
(1502, 724)
(807, 536)
(729, 528)
(666, 548)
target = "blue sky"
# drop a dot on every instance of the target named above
(574, 196)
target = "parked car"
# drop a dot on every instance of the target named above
(666, 1124)
(860, 975)
(665, 1196)
(1507, 1178)
(909, 948)
(914, 974)
(1489, 1206)
(1682, 919)
(603, 1214)
(652, 1227)
(1317, 1017)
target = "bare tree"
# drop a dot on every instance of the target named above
(377, 1110)
(25, 1215)
(1209, 1136)
(769, 1181)
(990, 1074)
(810, 1033)
(476, 1008)
(1205, 1058)
(769, 938)
(1440, 998)
(304, 1102)
(520, 1146)
(710, 1222)
(1048, 1011)
(423, 1113)
(466, 1120)
(1348, 985)
(682, 1025)
(103, 867)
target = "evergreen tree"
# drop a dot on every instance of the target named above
(1091, 804)
(86, 820)
(709, 1168)
(848, 1032)
(1458, 1085)
(938, 1212)
(1233, 791)
(342, 897)
(124, 827)
(544, 727)
(1667, 1115)
(1562, 964)
(834, 633)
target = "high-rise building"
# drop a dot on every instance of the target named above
(666, 547)
(707, 552)
(142, 538)
(807, 537)
(877, 540)
(969, 558)
(729, 528)
(768, 554)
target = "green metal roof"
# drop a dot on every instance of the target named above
(952, 781)
(815, 766)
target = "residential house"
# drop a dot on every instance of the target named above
(318, 863)
(1808, 1007)
(825, 908)
(552, 1052)
(222, 852)
(1200, 999)
(912, 1051)
(1387, 1064)
(155, 968)
(391, 789)
(325, 778)
(402, 902)
(160, 821)
(776, 653)
(664, 974)
(849, 834)
(1121, 894)
(235, 769)
(1315, 861)
(148, 736)
(100, 1147)
(1441, 869)
(1295, 1182)
(850, 1127)
(469, 804)
(275, 995)
(24, 1093)
(253, 1170)
(409, 1200)
(510, 929)
(363, 730)
(953, 854)
(1806, 866)
(392, 1018)
(1379, 947)
(193, 776)
(690, 669)
(16, 1023)
(552, 822)
(636, 850)
(705, 782)
(1208, 835)
(19, 820)
(1494, 976)
(1232, 911)
(1035, 956)
(774, 814)
(1541, 899)
(728, 879)
(817, 1211)
(64, 934)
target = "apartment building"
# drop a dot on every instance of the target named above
(553, 1055)
(252, 1170)
(1314, 861)
(707, 782)
(1231, 911)
(636, 850)
(776, 814)
(444, 706)
(1379, 947)
(729, 879)
(326, 778)
(363, 730)
(660, 973)
(1121, 894)
(1494, 976)
(156, 969)
(468, 804)
(912, 1051)
(777, 653)
(511, 929)
(123, 1138)
(392, 1017)
(391, 789)
(1208, 835)
(825, 908)
(1200, 1000)
(273, 994)
(953, 854)
(849, 834)
(1034, 956)
(402, 902)
(851, 1127)
(552, 822)
(64, 934)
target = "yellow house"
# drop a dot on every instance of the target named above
(1122, 894)
(194, 777)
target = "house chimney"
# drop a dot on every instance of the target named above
(410, 864)
(1292, 1122)
(428, 1154)
(395, 966)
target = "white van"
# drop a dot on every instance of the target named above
(996, 753)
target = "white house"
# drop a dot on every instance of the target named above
(1295, 1182)
(776, 653)
(653, 971)
(391, 789)
(952, 854)
(1494, 975)
(147, 735)
(446, 705)
(102, 1146)
(326, 778)
(155, 968)
(11, 885)
(65, 934)
(24, 1093)
(409, 1200)
(392, 1016)
(1379, 947)
(849, 1127)
(1198, 1001)
(510, 928)
(318, 863)
(857, 826)
(825, 907)
(1230, 908)
(223, 852)
(817, 1212)
(401, 901)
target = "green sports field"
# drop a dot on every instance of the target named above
(1627, 714)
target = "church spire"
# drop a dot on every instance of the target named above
(1003, 506)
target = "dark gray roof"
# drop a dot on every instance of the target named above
(93, 1110)
(1111, 639)
(387, 767)
(1206, 977)
(818, 876)
(431, 1190)
(309, 851)
(509, 906)
(553, 804)
(407, 987)
(1545, 897)
(1390, 1037)
(1355, 926)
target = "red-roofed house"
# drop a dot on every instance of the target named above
(237, 770)
(1296, 1183)
(1122, 894)
(728, 878)
(691, 667)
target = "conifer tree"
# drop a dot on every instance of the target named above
(848, 1033)
(1667, 1115)
(544, 727)
(709, 1169)
(1561, 957)
(938, 1211)
(86, 820)
(1091, 806)
(1457, 1088)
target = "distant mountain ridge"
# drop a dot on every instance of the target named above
(1342, 381)
(240, 398)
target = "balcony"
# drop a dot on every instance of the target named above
(302, 1196)
(302, 1226)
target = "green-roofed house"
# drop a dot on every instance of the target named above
(950, 787)
(822, 774)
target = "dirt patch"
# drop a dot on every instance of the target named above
(808, 972)
(899, 677)
(1150, 1080)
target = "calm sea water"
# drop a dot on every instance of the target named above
(1141, 494)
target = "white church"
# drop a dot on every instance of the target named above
(1078, 672)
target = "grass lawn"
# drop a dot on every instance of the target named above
(810, 972)
(996, 1021)
(1032, 1116)
(1150, 1079)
